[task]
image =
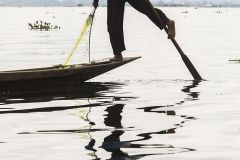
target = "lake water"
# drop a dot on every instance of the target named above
(148, 109)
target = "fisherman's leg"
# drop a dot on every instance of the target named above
(115, 15)
(154, 14)
(169, 23)
(163, 16)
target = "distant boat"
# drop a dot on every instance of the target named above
(55, 74)
(79, 5)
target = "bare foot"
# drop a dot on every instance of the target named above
(117, 57)
(171, 29)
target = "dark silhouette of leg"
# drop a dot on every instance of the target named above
(115, 18)
(115, 15)
(146, 7)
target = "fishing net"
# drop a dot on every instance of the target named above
(82, 38)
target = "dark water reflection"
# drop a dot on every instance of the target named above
(191, 96)
(112, 119)
(113, 144)
(48, 92)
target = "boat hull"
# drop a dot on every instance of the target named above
(58, 74)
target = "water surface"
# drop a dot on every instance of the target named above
(148, 109)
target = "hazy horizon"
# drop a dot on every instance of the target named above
(220, 3)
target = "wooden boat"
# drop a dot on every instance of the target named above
(55, 74)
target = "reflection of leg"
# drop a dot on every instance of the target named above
(114, 117)
(91, 145)
(112, 142)
(115, 25)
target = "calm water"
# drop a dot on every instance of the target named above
(148, 109)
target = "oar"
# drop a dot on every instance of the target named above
(185, 59)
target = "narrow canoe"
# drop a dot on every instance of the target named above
(74, 73)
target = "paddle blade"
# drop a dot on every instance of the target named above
(191, 68)
(187, 61)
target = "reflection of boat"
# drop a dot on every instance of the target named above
(76, 73)
(60, 91)
(57, 92)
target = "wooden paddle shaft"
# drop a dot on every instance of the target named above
(185, 59)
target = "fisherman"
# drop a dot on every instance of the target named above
(115, 14)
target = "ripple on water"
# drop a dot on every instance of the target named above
(136, 146)
(145, 113)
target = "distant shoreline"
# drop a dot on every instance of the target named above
(177, 6)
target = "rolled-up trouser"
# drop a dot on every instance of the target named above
(115, 15)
